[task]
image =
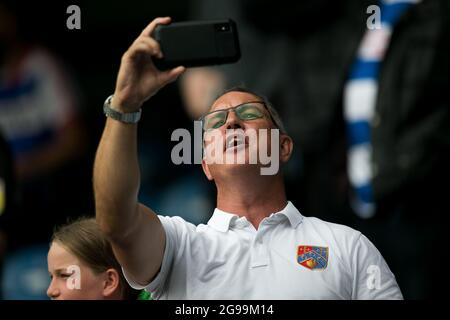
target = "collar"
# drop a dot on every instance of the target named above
(222, 220)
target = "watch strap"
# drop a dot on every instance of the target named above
(128, 117)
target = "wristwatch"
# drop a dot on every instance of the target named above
(129, 117)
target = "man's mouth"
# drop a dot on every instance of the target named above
(236, 141)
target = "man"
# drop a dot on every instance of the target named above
(256, 245)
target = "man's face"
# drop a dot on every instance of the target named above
(237, 143)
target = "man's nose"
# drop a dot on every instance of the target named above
(233, 121)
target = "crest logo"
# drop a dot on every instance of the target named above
(312, 257)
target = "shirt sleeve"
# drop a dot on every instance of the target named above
(372, 280)
(173, 226)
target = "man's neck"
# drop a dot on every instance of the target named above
(254, 199)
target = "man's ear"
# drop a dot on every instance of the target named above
(111, 284)
(206, 170)
(286, 147)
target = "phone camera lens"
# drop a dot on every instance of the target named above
(223, 27)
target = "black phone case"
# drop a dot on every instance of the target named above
(197, 43)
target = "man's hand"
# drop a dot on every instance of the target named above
(138, 78)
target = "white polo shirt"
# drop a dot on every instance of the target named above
(289, 257)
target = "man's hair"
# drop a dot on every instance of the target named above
(276, 119)
(86, 241)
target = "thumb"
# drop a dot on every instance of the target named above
(172, 74)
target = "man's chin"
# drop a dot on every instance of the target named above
(239, 169)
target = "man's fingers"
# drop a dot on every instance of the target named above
(153, 45)
(145, 45)
(138, 49)
(172, 74)
(176, 72)
(151, 27)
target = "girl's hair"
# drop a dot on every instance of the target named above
(84, 239)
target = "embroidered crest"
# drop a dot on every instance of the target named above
(312, 257)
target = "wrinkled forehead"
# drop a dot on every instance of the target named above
(233, 98)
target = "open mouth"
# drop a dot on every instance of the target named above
(235, 141)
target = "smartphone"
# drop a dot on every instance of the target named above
(197, 43)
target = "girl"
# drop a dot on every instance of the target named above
(82, 265)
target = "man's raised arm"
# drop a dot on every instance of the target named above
(135, 232)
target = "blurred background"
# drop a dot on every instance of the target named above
(368, 110)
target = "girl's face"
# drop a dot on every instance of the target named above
(71, 279)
